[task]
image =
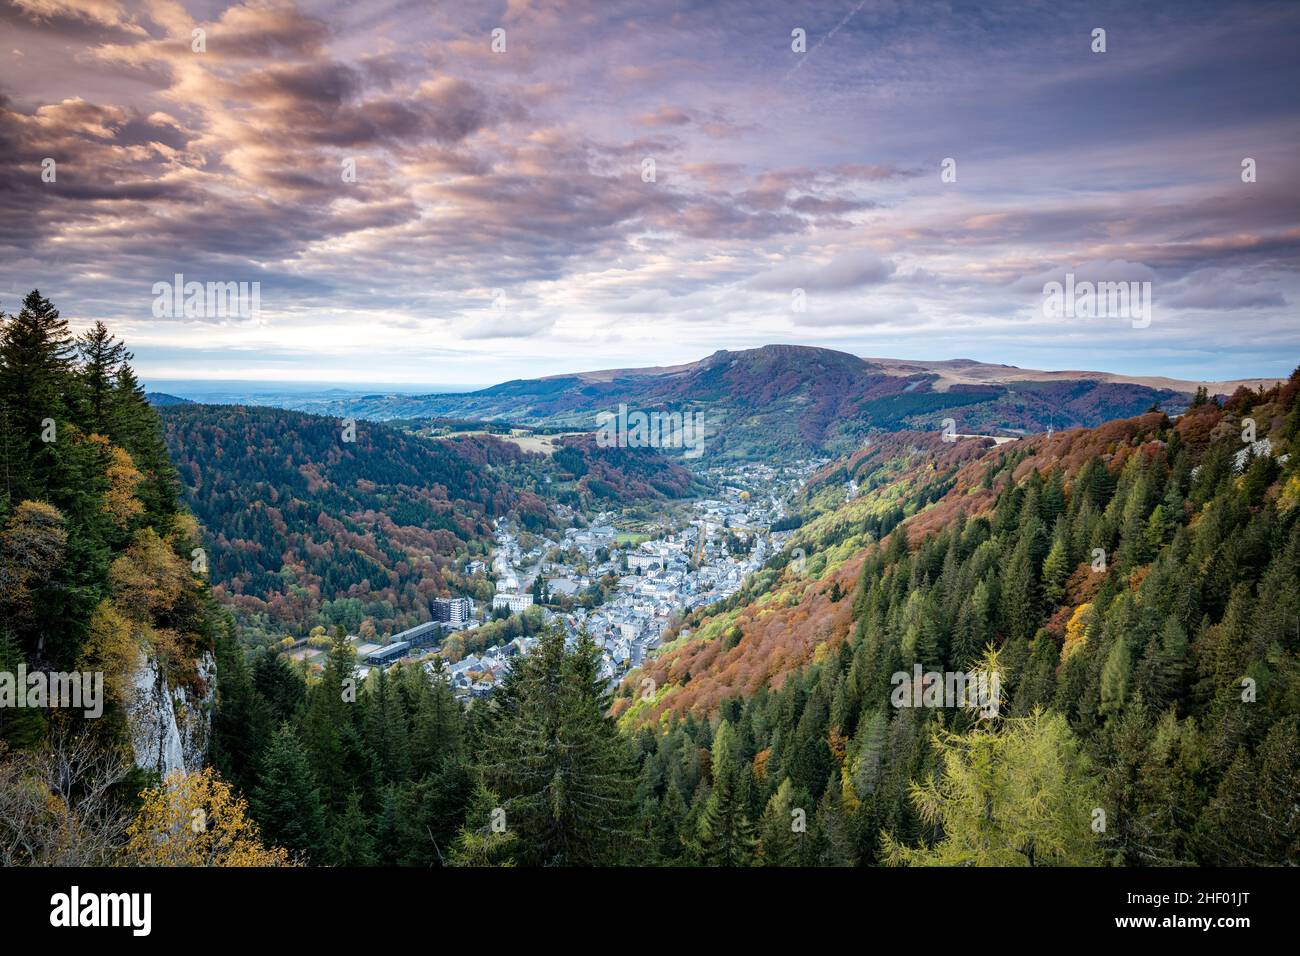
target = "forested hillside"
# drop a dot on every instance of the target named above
(1135, 586)
(97, 578)
(592, 476)
(311, 527)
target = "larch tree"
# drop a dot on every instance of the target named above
(1018, 795)
(725, 834)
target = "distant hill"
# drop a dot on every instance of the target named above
(162, 399)
(794, 400)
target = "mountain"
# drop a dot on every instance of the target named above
(782, 400)
(162, 399)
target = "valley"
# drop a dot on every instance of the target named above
(371, 633)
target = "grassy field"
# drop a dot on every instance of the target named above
(540, 444)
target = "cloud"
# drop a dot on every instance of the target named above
(502, 327)
(522, 171)
(665, 116)
(850, 270)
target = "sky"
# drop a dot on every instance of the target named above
(547, 187)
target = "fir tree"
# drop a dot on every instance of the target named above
(102, 355)
(564, 775)
(286, 802)
(350, 842)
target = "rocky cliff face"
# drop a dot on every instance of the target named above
(171, 726)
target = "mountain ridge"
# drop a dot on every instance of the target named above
(791, 401)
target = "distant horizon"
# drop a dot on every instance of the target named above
(215, 387)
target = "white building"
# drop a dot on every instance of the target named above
(516, 601)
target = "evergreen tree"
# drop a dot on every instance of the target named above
(1254, 819)
(102, 355)
(670, 820)
(350, 842)
(724, 833)
(328, 712)
(778, 837)
(1017, 795)
(1115, 676)
(286, 802)
(486, 838)
(834, 831)
(1056, 569)
(36, 360)
(564, 775)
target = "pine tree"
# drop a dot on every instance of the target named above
(386, 728)
(286, 802)
(278, 685)
(670, 818)
(329, 710)
(1254, 819)
(242, 723)
(1056, 569)
(36, 360)
(136, 427)
(437, 737)
(868, 765)
(1115, 676)
(350, 842)
(1020, 591)
(102, 355)
(834, 831)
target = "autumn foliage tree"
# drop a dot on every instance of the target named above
(195, 819)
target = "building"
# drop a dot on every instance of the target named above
(388, 653)
(454, 611)
(422, 635)
(643, 561)
(515, 601)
